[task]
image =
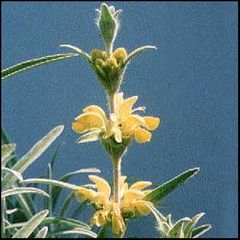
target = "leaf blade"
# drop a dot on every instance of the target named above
(169, 186)
(31, 225)
(21, 190)
(36, 151)
(22, 66)
(42, 233)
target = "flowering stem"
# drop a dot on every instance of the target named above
(116, 179)
(111, 103)
(115, 161)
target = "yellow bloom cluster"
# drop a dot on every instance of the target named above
(108, 211)
(116, 59)
(123, 123)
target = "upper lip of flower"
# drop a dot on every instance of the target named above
(124, 123)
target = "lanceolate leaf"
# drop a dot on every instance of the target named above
(31, 225)
(56, 190)
(42, 233)
(6, 151)
(191, 225)
(33, 63)
(66, 222)
(15, 173)
(51, 182)
(37, 150)
(76, 49)
(197, 232)
(21, 190)
(168, 187)
(137, 51)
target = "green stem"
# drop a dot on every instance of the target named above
(116, 179)
(116, 162)
(111, 103)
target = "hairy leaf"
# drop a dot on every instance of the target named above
(168, 187)
(42, 233)
(37, 150)
(5, 73)
(31, 225)
(21, 190)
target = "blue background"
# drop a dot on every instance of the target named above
(190, 82)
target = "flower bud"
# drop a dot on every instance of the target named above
(97, 53)
(108, 25)
(120, 54)
(112, 62)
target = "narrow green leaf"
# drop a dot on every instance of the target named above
(21, 190)
(31, 225)
(177, 229)
(76, 49)
(66, 203)
(56, 190)
(137, 51)
(27, 210)
(33, 63)
(197, 232)
(15, 225)
(27, 198)
(163, 227)
(6, 151)
(51, 182)
(191, 225)
(168, 187)
(80, 231)
(66, 222)
(37, 150)
(17, 174)
(42, 233)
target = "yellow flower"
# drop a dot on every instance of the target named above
(108, 211)
(133, 198)
(123, 123)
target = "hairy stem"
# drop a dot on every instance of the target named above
(111, 103)
(116, 162)
(116, 179)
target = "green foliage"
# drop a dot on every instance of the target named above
(5, 73)
(168, 187)
(31, 225)
(183, 228)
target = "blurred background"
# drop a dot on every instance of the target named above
(190, 82)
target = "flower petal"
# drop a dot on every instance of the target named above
(132, 195)
(87, 122)
(142, 207)
(96, 109)
(126, 107)
(131, 123)
(99, 218)
(118, 100)
(152, 122)
(84, 194)
(140, 185)
(102, 185)
(142, 135)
